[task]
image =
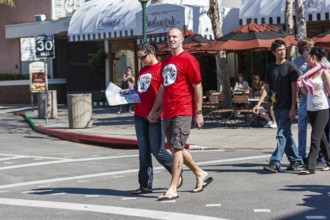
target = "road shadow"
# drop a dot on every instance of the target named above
(316, 198)
(245, 168)
(94, 191)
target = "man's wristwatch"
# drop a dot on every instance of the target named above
(198, 112)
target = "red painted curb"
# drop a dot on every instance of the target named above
(85, 138)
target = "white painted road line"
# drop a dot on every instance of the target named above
(116, 173)
(128, 198)
(12, 158)
(83, 181)
(67, 178)
(316, 217)
(92, 196)
(232, 160)
(64, 161)
(15, 155)
(117, 177)
(143, 213)
(58, 194)
(261, 210)
(213, 205)
(168, 201)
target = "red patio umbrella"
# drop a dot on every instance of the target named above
(193, 43)
(323, 39)
(251, 36)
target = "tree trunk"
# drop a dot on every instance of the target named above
(300, 19)
(289, 26)
(221, 58)
(289, 17)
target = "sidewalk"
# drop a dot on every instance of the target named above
(117, 130)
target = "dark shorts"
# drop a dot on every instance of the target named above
(177, 130)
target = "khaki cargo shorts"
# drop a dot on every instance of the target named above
(177, 130)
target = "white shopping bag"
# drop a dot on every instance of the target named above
(116, 96)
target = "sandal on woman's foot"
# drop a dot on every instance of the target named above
(180, 182)
(200, 188)
(306, 172)
(142, 190)
(326, 168)
(166, 197)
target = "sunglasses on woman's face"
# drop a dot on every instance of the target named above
(143, 57)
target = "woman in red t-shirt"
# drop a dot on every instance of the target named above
(148, 126)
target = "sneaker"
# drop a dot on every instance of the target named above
(320, 165)
(326, 168)
(269, 123)
(272, 167)
(294, 166)
(273, 125)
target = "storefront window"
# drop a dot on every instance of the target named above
(123, 59)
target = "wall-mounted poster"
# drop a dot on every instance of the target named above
(38, 77)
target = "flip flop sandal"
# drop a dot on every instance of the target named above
(200, 188)
(142, 191)
(167, 198)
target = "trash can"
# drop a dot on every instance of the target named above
(80, 110)
(51, 104)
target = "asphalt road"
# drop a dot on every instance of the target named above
(46, 178)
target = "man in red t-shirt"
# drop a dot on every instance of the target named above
(182, 101)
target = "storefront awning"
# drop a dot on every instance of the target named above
(36, 28)
(109, 19)
(103, 19)
(273, 11)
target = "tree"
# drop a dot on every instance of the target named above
(300, 19)
(289, 17)
(8, 2)
(221, 58)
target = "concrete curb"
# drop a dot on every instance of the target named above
(113, 142)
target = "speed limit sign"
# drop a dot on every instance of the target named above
(45, 46)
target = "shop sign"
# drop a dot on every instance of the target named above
(314, 5)
(65, 8)
(108, 22)
(38, 76)
(162, 18)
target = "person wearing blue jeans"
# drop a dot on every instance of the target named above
(285, 141)
(304, 45)
(302, 126)
(151, 140)
(280, 84)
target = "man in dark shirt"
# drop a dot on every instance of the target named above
(280, 84)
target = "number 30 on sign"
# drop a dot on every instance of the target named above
(45, 46)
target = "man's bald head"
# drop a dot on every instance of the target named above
(175, 40)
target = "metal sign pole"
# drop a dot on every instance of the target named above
(31, 102)
(46, 91)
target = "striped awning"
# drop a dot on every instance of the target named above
(103, 19)
(273, 11)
